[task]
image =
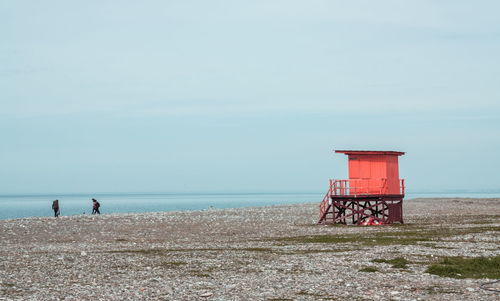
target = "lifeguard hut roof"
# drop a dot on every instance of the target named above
(367, 152)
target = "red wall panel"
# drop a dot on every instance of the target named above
(368, 173)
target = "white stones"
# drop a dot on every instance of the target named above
(206, 294)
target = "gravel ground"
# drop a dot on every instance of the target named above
(244, 254)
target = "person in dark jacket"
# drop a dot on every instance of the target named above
(55, 207)
(95, 207)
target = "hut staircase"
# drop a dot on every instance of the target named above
(346, 203)
(325, 214)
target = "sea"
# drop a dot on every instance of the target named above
(29, 205)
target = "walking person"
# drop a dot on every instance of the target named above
(95, 207)
(55, 207)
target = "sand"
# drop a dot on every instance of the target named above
(261, 253)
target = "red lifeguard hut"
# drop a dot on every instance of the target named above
(373, 194)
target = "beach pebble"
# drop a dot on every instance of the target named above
(207, 294)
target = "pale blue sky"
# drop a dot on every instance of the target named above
(193, 96)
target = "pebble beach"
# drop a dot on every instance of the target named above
(260, 253)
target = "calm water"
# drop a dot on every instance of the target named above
(18, 206)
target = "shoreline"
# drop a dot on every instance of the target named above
(258, 253)
(239, 207)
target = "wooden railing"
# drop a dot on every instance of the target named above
(355, 188)
(363, 187)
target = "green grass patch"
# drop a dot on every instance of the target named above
(256, 249)
(398, 263)
(369, 269)
(165, 251)
(459, 267)
(372, 239)
(474, 230)
(312, 251)
(270, 251)
(481, 219)
(407, 236)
